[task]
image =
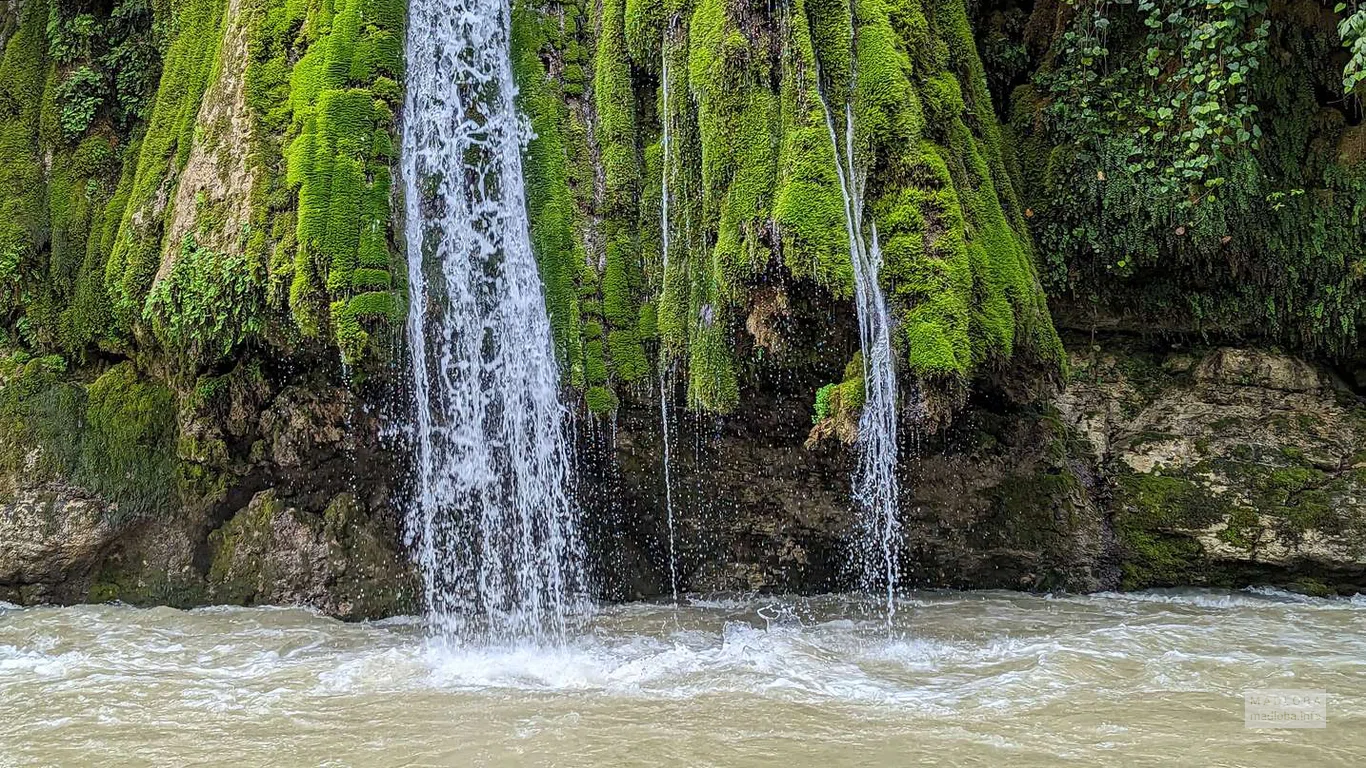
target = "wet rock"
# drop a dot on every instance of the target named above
(49, 536)
(271, 553)
(1155, 466)
(303, 425)
(1242, 468)
(121, 489)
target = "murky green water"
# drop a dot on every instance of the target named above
(968, 679)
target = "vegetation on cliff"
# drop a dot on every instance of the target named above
(1197, 166)
(133, 223)
(751, 184)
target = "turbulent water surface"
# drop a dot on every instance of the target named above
(968, 679)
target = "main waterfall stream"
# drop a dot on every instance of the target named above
(988, 679)
(494, 523)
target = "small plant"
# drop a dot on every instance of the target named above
(208, 304)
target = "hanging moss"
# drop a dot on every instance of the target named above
(729, 74)
(808, 209)
(752, 181)
(190, 58)
(23, 220)
(322, 86)
(550, 204)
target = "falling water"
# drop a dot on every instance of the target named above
(494, 524)
(664, 273)
(875, 487)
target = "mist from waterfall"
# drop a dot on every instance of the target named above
(494, 523)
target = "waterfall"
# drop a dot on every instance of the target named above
(664, 274)
(875, 486)
(494, 524)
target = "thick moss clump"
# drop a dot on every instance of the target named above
(114, 437)
(751, 188)
(838, 406)
(341, 145)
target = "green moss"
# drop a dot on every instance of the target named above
(622, 278)
(190, 57)
(236, 567)
(322, 84)
(1154, 520)
(737, 113)
(114, 438)
(956, 262)
(841, 402)
(600, 400)
(550, 203)
(614, 97)
(23, 72)
(644, 32)
(1243, 528)
(712, 383)
(808, 209)
(127, 450)
(208, 304)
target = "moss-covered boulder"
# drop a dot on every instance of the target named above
(1228, 466)
(273, 554)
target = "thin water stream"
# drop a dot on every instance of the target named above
(985, 679)
(664, 226)
(875, 484)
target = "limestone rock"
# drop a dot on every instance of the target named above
(274, 554)
(50, 535)
(1241, 468)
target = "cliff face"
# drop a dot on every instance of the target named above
(201, 291)
(1160, 464)
(238, 492)
(195, 245)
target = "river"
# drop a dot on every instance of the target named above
(964, 678)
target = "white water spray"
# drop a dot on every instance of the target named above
(875, 486)
(494, 523)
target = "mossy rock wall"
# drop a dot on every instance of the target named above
(749, 180)
(1226, 466)
(115, 487)
(199, 179)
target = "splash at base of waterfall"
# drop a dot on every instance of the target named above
(990, 678)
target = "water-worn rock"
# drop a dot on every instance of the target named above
(252, 504)
(273, 554)
(1154, 466)
(1226, 466)
(49, 536)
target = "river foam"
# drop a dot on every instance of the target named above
(977, 674)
